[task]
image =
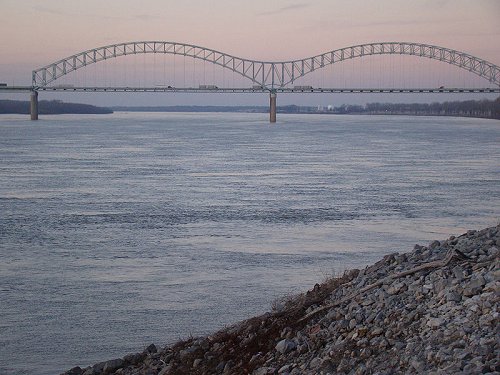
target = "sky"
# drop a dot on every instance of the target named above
(34, 33)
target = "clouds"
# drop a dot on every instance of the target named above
(102, 13)
(47, 10)
(65, 13)
(285, 9)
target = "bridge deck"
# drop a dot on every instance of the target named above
(15, 89)
(447, 90)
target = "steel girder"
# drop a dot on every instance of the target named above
(299, 89)
(267, 74)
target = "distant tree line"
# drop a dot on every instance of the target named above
(468, 108)
(51, 107)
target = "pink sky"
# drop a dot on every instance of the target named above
(35, 33)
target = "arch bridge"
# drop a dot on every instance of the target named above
(265, 76)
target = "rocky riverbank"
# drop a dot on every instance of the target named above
(433, 310)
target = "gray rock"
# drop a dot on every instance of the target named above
(342, 325)
(396, 288)
(113, 365)
(434, 245)
(186, 353)
(458, 272)
(285, 369)
(471, 368)
(303, 348)
(333, 314)
(315, 363)
(494, 251)
(452, 296)
(376, 331)
(365, 353)
(134, 358)
(475, 286)
(360, 317)
(418, 365)
(285, 346)
(227, 368)
(98, 368)
(220, 367)
(435, 322)
(74, 371)
(255, 357)
(264, 371)
(417, 248)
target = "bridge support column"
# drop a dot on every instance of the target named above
(272, 107)
(34, 105)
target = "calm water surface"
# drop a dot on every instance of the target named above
(118, 231)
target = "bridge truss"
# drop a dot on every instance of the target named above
(266, 74)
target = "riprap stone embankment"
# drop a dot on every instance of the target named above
(432, 310)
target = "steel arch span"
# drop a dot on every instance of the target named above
(267, 74)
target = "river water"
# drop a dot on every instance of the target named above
(121, 230)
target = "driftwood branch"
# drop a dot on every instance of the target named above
(451, 256)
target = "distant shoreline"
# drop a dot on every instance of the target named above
(479, 109)
(50, 107)
(489, 109)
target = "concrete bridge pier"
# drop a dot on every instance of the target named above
(34, 105)
(272, 107)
